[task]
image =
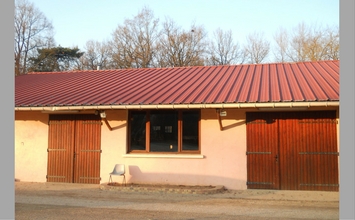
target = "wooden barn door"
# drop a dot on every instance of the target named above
(262, 152)
(314, 158)
(87, 149)
(306, 156)
(74, 149)
(60, 148)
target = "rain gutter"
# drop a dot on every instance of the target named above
(283, 105)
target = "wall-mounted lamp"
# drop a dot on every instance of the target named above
(222, 113)
(102, 114)
(103, 117)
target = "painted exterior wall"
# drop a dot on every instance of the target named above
(31, 143)
(223, 162)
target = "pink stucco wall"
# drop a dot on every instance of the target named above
(222, 160)
(31, 143)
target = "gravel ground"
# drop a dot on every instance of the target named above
(85, 201)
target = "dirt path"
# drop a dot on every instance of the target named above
(43, 201)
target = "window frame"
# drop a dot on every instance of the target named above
(147, 132)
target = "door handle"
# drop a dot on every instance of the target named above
(276, 158)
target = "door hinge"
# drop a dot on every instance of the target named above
(259, 183)
(248, 152)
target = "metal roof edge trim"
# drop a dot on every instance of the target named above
(184, 106)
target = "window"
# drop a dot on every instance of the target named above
(168, 131)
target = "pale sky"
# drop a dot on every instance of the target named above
(76, 22)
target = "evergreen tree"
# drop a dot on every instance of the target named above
(54, 59)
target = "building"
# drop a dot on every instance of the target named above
(257, 126)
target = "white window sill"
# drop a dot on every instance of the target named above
(179, 156)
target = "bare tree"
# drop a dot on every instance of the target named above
(282, 42)
(310, 43)
(257, 48)
(332, 44)
(32, 31)
(179, 47)
(298, 43)
(96, 55)
(222, 50)
(134, 42)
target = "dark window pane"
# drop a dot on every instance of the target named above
(163, 131)
(138, 120)
(190, 130)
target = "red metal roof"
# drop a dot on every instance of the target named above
(247, 83)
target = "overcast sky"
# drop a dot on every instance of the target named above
(76, 22)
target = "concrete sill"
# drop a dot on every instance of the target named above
(177, 156)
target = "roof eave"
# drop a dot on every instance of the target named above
(184, 106)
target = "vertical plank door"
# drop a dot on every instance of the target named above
(262, 151)
(87, 149)
(60, 148)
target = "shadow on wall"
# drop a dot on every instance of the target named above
(137, 176)
(233, 125)
(108, 124)
(31, 116)
(232, 119)
(232, 114)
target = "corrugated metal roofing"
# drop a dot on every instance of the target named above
(247, 83)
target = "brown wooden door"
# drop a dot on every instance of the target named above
(307, 155)
(262, 152)
(309, 159)
(74, 149)
(60, 148)
(87, 150)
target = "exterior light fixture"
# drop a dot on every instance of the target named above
(222, 113)
(102, 114)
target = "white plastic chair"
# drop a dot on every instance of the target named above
(118, 170)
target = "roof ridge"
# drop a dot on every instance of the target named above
(184, 67)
